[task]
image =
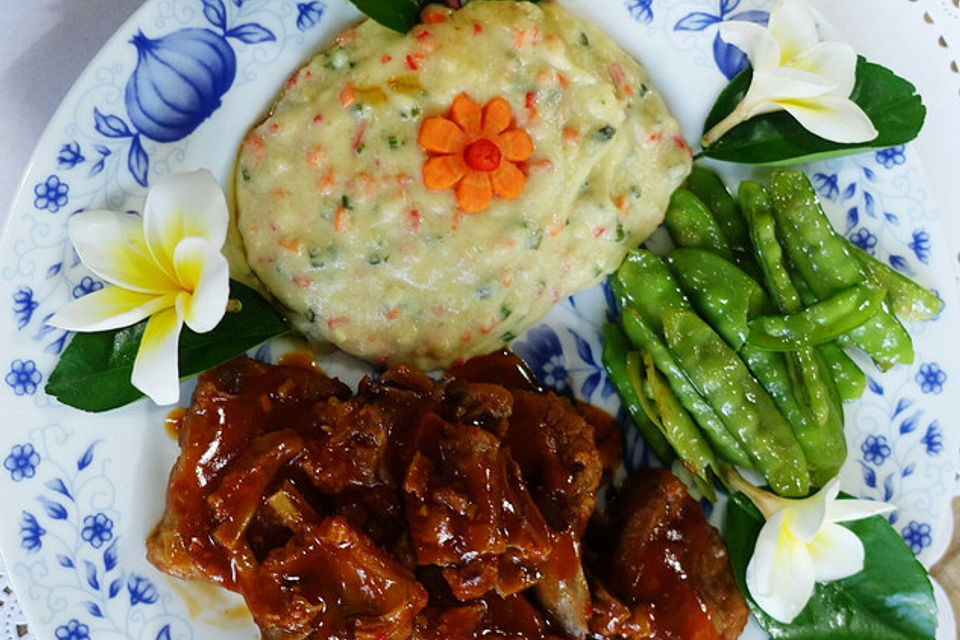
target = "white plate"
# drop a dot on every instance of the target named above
(82, 491)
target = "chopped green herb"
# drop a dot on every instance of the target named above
(644, 89)
(346, 203)
(316, 258)
(508, 336)
(394, 142)
(635, 191)
(376, 258)
(245, 174)
(311, 315)
(505, 312)
(584, 40)
(361, 147)
(336, 59)
(620, 233)
(604, 133)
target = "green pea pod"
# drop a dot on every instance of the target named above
(709, 187)
(720, 292)
(615, 351)
(848, 379)
(826, 264)
(676, 425)
(818, 323)
(757, 205)
(641, 335)
(908, 300)
(643, 283)
(743, 405)
(691, 224)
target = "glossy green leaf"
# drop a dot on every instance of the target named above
(891, 599)
(399, 15)
(891, 102)
(93, 373)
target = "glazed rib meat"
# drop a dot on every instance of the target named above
(427, 510)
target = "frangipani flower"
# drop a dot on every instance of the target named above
(794, 71)
(166, 265)
(801, 544)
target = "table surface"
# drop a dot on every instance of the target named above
(54, 39)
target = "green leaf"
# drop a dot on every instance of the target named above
(399, 15)
(93, 373)
(891, 102)
(891, 599)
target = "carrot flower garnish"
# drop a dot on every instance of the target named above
(475, 152)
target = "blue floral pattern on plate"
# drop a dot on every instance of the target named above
(82, 490)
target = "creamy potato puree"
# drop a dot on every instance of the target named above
(339, 226)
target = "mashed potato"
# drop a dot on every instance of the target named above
(339, 226)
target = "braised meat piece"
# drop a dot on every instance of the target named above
(469, 511)
(233, 406)
(660, 559)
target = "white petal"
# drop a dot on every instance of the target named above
(793, 26)
(754, 40)
(205, 274)
(780, 582)
(184, 205)
(835, 62)
(835, 553)
(110, 308)
(156, 371)
(806, 517)
(833, 118)
(845, 510)
(111, 245)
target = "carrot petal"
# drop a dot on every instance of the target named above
(508, 181)
(496, 117)
(442, 172)
(441, 136)
(466, 113)
(515, 145)
(474, 192)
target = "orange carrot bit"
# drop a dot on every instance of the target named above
(274, 126)
(564, 83)
(292, 81)
(535, 36)
(302, 281)
(347, 96)
(393, 314)
(475, 191)
(467, 337)
(317, 119)
(555, 229)
(487, 328)
(466, 113)
(347, 38)
(571, 136)
(622, 203)
(477, 28)
(385, 58)
(519, 38)
(496, 117)
(508, 181)
(506, 277)
(340, 219)
(339, 321)
(413, 61)
(599, 231)
(457, 220)
(289, 243)
(655, 137)
(308, 74)
(280, 192)
(516, 145)
(326, 183)
(433, 16)
(619, 78)
(315, 156)
(679, 141)
(540, 166)
(414, 219)
(530, 104)
(442, 172)
(440, 135)
(358, 138)
(363, 185)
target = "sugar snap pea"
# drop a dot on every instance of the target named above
(678, 427)
(720, 292)
(819, 323)
(814, 408)
(826, 264)
(908, 300)
(641, 335)
(744, 406)
(727, 298)
(691, 224)
(848, 378)
(614, 357)
(644, 283)
(709, 187)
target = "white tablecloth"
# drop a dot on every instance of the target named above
(45, 44)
